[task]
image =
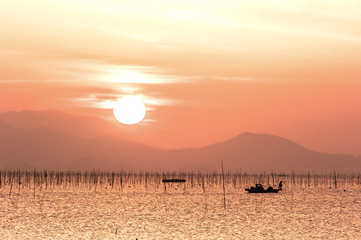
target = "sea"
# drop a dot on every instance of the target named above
(140, 206)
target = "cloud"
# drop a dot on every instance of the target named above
(107, 101)
(93, 70)
(96, 82)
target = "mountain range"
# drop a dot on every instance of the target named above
(60, 141)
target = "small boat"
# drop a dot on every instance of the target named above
(259, 189)
(174, 180)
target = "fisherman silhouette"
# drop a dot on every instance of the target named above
(280, 185)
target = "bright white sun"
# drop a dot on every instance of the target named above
(129, 110)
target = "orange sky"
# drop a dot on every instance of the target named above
(207, 70)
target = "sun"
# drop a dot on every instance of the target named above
(129, 110)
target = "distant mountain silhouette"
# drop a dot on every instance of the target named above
(262, 152)
(46, 148)
(55, 140)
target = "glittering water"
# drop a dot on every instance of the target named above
(148, 212)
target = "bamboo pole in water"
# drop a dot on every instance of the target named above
(224, 190)
(34, 175)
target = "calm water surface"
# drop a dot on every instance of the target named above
(148, 212)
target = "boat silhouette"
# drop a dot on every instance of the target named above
(260, 189)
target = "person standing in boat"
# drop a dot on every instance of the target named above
(280, 185)
(259, 187)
